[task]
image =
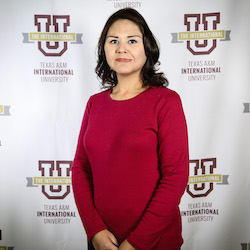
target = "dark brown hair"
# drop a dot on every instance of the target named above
(149, 75)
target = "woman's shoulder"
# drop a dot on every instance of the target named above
(99, 95)
(164, 92)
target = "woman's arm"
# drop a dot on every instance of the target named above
(173, 165)
(82, 183)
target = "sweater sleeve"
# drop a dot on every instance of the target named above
(82, 184)
(173, 164)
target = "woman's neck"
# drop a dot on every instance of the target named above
(127, 87)
(128, 83)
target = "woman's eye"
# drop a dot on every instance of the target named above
(132, 41)
(114, 41)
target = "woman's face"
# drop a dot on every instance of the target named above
(124, 48)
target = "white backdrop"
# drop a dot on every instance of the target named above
(44, 88)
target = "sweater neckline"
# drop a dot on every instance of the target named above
(127, 100)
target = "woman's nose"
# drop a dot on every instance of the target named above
(121, 47)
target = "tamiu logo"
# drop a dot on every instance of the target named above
(4, 110)
(4, 247)
(52, 34)
(246, 107)
(202, 177)
(55, 180)
(245, 246)
(202, 33)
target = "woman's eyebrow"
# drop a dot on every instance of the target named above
(112, 36)
(134, 36)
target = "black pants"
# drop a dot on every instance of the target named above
(90, 246)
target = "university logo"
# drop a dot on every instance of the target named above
(4, 247)
(202, 177)
(55, 179)
(246, 107)
(202, 33)
(125, 4)
(4, 110)
(245, 246)
(52, 34)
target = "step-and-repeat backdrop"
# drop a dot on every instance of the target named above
(47, 61)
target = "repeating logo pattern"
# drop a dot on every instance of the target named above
(4, 110)
(246, 107)
(202, 177)
(202, 33)
(4, 247)
(125, 4)
(52, 34)
(245, 246)
(55, 180)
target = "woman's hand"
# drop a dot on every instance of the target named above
(104, 240)
(126, 246)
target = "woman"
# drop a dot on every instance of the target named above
(131, 164)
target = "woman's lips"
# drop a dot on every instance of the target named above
(123, 60)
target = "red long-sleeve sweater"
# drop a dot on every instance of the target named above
(131, 168)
